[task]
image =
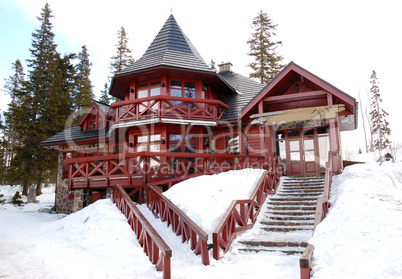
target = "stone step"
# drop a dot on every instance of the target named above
(275, 199)
(276, 208)
(258, 243)
(294, 203)
(293, 213)
(314, 194)
(287, 229)
(293, 184)
(288, 223)
(306, 181)
(301, 191)
(298, 187)
(289, 251)
(291, 218)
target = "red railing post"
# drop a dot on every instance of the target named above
(180, 222)
(153, 245)
(225, 232)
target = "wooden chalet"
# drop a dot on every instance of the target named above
(180, 118)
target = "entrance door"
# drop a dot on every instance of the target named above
(295, 157)
(302, 154)
(309, 158)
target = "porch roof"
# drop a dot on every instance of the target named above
(73, 135)
(278, 91)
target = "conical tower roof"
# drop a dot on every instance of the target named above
(170, 49)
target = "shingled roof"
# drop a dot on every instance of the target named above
(170, 48)
(73, 135)
(246, 89)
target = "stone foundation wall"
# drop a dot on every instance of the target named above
(62, 202)
(82, 198)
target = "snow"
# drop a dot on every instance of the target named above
(206, 198)
(362, 234)
(360, 238)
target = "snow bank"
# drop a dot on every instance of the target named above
(362, 234)
(206, 198)
(96, 242)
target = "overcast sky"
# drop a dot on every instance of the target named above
(340, 41)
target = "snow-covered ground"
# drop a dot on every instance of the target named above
(362, 234)
(360, 238)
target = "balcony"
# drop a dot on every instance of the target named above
(138, 169)
(167, 107)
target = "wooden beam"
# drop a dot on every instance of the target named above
(302, 114)
(296, 97)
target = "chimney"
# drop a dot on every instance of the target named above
(225, 67)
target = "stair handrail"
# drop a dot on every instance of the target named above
(321, 212)
(241, 215)
(167, 211)
(147, 236)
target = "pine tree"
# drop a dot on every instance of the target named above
(83, 96)
(45, 104)
(263, 49)
(105, 97)
(381, 131)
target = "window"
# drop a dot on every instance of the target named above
(94, 121)
(148, 89)
(92, 125)
(184, 89)
(148, 143)
(186, 144)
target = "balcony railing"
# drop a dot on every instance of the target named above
(167, 106)
(141, 168)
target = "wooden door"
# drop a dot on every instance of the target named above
(309, 157)
(295, 156)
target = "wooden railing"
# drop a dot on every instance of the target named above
(321, 212)
(136, 169)
(181, 224)
(153, 245)
(242, 214)
(167, 106)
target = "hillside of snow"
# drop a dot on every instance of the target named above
(362, 234)
(360, 238)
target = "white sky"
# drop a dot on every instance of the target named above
(341, 42)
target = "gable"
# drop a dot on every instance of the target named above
(94, 118)
(294, 88)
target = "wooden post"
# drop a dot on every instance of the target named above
(261, 128)
(305, 262)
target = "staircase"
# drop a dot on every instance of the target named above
(288, 219)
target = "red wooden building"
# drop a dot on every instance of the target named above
(179, 117)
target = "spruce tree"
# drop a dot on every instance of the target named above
(123, 57)
(380, 125)
(267, 63)
(45, 104)
(13, 86)
(83, 96)
(105, 97)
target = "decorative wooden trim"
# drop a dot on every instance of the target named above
(295, 97)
